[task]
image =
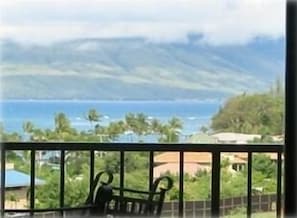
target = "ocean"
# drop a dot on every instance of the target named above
(193, 114)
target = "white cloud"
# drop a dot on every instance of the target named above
(220, 22)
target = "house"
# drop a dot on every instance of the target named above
(202, 138)
(235, 138)
(16, 187)
(193, 162)
(236, 162)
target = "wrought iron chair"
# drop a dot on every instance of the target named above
(107, 200)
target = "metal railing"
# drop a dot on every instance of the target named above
(214, 149)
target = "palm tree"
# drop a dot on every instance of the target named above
(142, 124)
(115, 129)
(170, 132)
(130, 121)
(62, 125)
(155, 126)
(175, 123)
(137, 123)
(38, 135)
(93, 116)
(28, 127)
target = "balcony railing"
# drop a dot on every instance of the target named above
(215, 150)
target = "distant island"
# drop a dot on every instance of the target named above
(134, 69)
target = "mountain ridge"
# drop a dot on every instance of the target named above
(135, 69)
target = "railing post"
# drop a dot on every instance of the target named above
(279, 185)
(122, 172)
(249, 185)
(32, 182)
(181, 185)
(2, 187)
(215, 184)
(92, 164)
(151, 169)
(290, 209)
(62, 180)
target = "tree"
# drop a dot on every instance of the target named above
(155, 126)
(28, 127)
(142, 125)
(47, 195)
(8, 137)
(93, 116)
(130, 122)
(137, 123)
(62, 124)
(171, 130)
(175, 123)
(114, 129)
(263, 164)
(258, 114)
(204, 129)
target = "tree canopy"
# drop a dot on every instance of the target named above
(254, 114)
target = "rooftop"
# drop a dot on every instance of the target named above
(16, 179)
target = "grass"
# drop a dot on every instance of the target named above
(254, 215)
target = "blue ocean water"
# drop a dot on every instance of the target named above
(193, 114)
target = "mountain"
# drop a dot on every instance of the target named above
(133, 68)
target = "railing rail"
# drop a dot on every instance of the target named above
(214, 149)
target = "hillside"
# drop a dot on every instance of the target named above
(132, 68)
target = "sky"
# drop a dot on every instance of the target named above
(216, 21)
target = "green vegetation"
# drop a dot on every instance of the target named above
(137, 124)
(254, 114)
(77, 169)
(242, 214)
(196, 187)
(257, 113)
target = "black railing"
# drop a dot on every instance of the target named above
(214, 149)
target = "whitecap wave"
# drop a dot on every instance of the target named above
(192, 118)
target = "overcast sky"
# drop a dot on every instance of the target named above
(218, 21)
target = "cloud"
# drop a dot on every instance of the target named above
(219, 22)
